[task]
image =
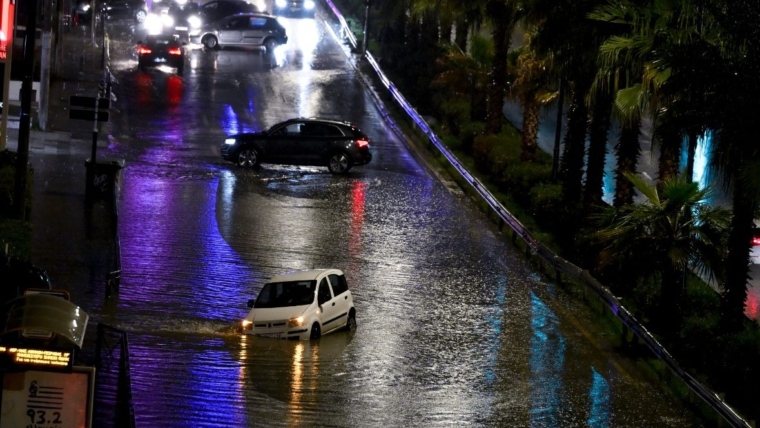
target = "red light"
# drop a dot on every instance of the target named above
(362, 143)
(756, 240)
(143, 50)
(175, 51)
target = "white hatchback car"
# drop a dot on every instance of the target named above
(302, 305)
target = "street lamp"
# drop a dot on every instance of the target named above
(366, 25)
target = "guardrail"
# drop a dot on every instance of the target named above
(545, 254)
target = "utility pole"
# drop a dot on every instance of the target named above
(366, 26)
(47, 28)
(25, 117)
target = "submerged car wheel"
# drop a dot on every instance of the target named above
(351, 323)
(316, 331)
(339, 163)
(210, 42)
(270, 44)
(248, 158)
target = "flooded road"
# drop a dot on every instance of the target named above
(454, 327)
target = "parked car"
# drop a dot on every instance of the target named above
(125, 9)
(302, 305)
(303, 141)
(161, 49)
(754, 254)
(217, 9)
(241, 30)
(295, 7)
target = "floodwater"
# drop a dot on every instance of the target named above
(454, 327)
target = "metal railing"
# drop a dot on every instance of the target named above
(544, 253)
(113, 381)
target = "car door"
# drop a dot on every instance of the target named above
(315, 144)
(231, 30)
(340, 293)
(331, 311)
(282, 144)
(254, 33)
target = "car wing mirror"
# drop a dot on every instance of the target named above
(250, 303)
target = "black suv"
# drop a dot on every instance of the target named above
(335, 144)
(218, 9)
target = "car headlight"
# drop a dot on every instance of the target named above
(230, 141)
(308, 4)
(194, 22)
(281, 3)
(246, 324)
(167, 21)
(295, 322)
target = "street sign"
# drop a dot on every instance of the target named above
(89, 102)
(102, 116)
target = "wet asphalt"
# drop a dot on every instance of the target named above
(455, 327)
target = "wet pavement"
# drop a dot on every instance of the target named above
(455, 328)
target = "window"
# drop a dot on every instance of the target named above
(322, 130)
(257, 22)
(339, 284)
(324, 295)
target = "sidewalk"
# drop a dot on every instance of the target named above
(72, 239)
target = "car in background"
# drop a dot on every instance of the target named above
(335, 144)
(295, 7)
(754, 252)
(242, 30)
(161, 50)
(302, 305)
(217, 9)
(125, 9)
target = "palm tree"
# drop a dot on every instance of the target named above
(501, 16)
(463, 81)
(533, 72)
(672, 232)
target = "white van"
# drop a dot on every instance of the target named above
(302, 305)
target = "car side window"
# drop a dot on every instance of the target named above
(289, 130)
(321, 130)
(339, 284)
(257, 22)
(324, 295)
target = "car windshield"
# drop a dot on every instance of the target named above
(283, 294)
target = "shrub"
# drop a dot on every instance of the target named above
(520, 178)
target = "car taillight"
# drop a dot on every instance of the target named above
(143, 50)
(362, 143)
(175, 51)
(756, 240)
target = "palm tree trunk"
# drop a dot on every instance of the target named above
(737, 262)
(501, 15)
(628, 150)
(597, 149)
(571, 164)
(692, 150)
(670, 152)
(671, 293)
(531, 110)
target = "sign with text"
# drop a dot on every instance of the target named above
(35, 357)
(48, 399)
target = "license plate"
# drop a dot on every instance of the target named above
(270, 336)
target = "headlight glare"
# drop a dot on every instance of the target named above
(229, 141)
(295, 322)
(194, 22)
(246, 324)
(281, 3)
(308, 4)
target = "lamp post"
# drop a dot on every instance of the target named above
(366, 26)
